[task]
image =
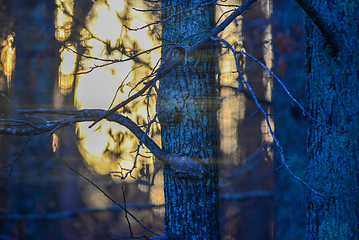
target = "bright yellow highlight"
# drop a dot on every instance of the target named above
(8, 61)
(108, 147)
(55, 142)
(66, 70)
(105, 24)
(63, 21)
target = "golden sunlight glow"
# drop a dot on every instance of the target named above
(229, 116)
(66, 70)
(63, 21)
(156, 194)
(55, 142)
(233, 107)
(96, 89)
(7, 59)
(105, 24)
(108, 147)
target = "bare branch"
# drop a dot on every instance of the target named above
(173, 15)
(123, 208)
(305, 112)
(166, 69)
(330, 34)
(19, 152)
(266, 118)
(183, 166)
(124, 202)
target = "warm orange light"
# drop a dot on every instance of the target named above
(111, 84)
(7, 59)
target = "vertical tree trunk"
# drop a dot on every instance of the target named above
(289, 59)
(333, 88)
(255, 221)
(188, 123)
(29, 188)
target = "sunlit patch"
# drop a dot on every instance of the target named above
(266, 135)
(156, 194)
(268, 60)
(109, 148)
(95, 90)
(117, 5)
(55, 142)
(63, 19)
(66, 70)
(144, 41)
(7, 59)
(96, 143)
(105, 23)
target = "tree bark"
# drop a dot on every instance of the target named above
(333, 99)
(186, 107)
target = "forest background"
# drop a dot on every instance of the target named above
(67, 43)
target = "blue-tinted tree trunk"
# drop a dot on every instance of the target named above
(188, 123)
(29, 188)
(291, 127)
(333, 86)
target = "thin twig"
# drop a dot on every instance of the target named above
(173, 15)
(164, 70)
(124, 202)
(62, 161)
(266, 118)
(19, 152)
(305, 112)
(123, 81)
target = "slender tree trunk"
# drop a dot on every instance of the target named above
(333, 86)
(289, 59)
(255, 222)
(188, 123)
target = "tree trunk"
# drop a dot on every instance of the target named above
(333, 88)
(37, 59)
(289, 59)
(188, 123)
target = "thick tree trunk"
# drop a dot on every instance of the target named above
(289, 59)
(188, 123)
(29, 188)
(333, 86)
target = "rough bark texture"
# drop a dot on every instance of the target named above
(188, 123)
(333, 88)
(289, 59)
